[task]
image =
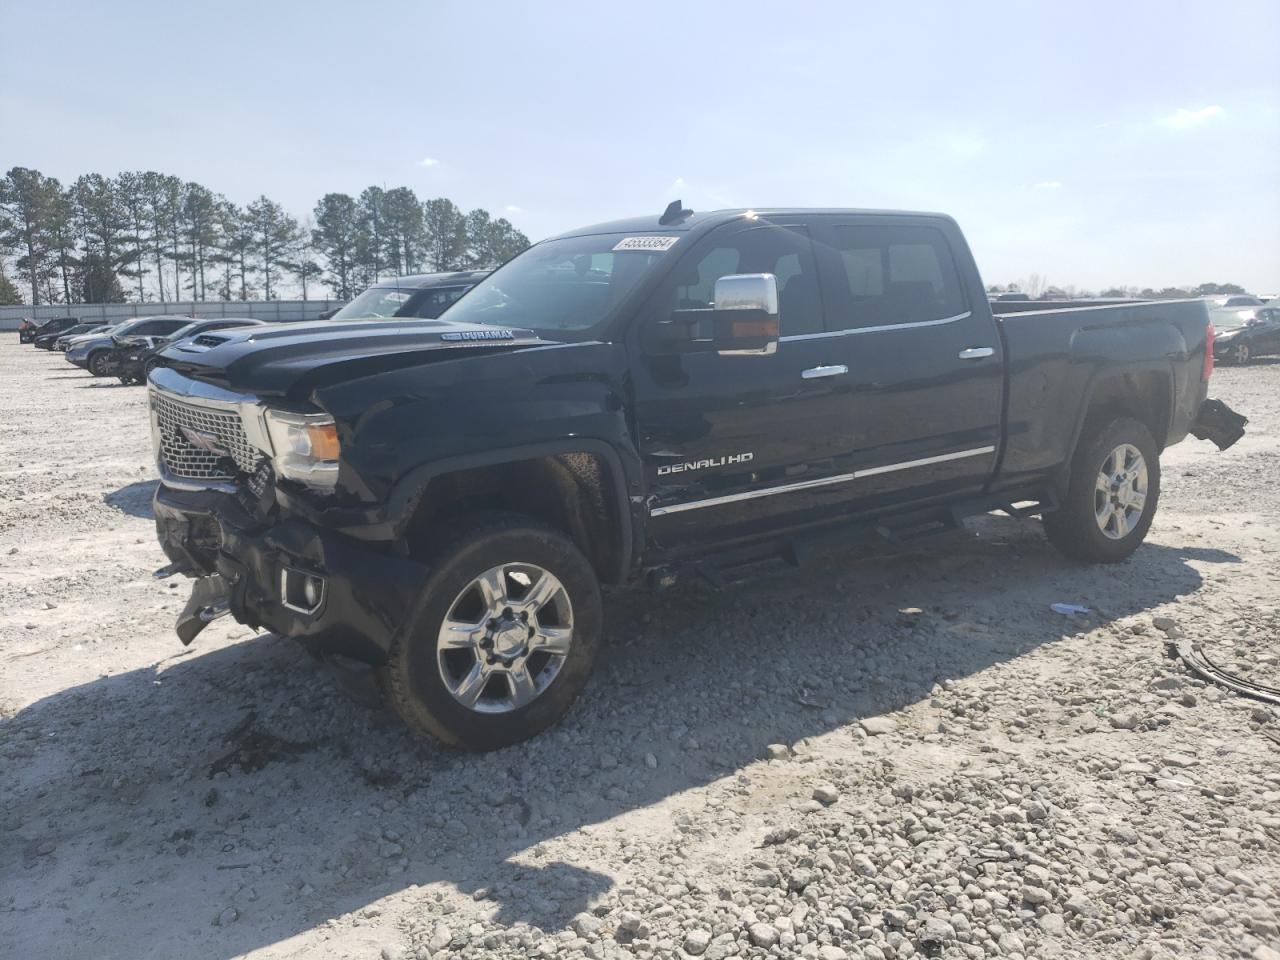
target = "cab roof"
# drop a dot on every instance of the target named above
(701, 222)
(420, 281)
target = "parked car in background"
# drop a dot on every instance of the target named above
(70, 339)
(56, 325)
(49, 341)
(1233, 301)
(135, 355)
(423, 296)
(631, 401)
(1247, 332)
(93, 352)
(26, 330)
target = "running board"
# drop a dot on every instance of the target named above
(751, 561)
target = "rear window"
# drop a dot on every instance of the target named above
(898, 274)
(376, 303)
(436, 301)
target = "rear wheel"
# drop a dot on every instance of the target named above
(504, 638)
(1111, 495)
(98, 363)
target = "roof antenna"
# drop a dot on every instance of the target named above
(674, 213)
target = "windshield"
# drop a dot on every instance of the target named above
(562, 285)
(375, 303)
(186, 331)
(1230, 318)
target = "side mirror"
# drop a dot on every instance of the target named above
(743, 322)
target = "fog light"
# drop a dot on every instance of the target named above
(301, 591)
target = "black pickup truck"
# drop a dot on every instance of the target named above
(443, 498)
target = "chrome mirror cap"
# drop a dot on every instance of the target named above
(747, 291)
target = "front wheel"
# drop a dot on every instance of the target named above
(1240, 355)
(1111, 494)
(504, 637)
(98, 363)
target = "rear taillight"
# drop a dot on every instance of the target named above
(1209, 334)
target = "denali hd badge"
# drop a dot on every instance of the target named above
(480, 335)
(703, 464)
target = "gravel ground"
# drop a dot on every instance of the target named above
(889, 754)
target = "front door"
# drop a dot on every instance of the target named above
(736, 446)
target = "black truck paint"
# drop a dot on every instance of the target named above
(891, 398)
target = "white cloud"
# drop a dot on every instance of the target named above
(1049, 185)
(512, 208)
(428, 162)
(1185, 119)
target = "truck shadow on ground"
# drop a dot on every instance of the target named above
(241, 780)
(134, 498)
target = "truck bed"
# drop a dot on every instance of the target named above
(1059, 358)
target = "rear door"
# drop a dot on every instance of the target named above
(925, 362)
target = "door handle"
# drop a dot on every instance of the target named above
(816, 373)
(976, 353)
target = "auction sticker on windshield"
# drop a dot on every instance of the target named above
(646, 243)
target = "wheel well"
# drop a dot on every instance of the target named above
(571, 491)
(1144, 395)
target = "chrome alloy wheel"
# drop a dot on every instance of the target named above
(1121, 493)
(505, 638)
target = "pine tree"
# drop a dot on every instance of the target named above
(104, 228)
(403, 234)
(446, 234)
(199, 233)
(334, 236)
(9, 295)
(25, 198)
(131, 188)
(274, 235)
(370, 234)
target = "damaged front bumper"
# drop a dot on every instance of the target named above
(1219, 424)
(331, 591)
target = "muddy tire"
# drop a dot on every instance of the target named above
(1112, 494)
(503, 637)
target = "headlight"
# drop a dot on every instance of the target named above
(304, 447)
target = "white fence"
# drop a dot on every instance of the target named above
(270, 310)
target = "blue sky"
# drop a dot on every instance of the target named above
(1094, 143)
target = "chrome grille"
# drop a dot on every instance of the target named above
(184, 459)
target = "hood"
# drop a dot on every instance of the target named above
(91, 340)
(295, 358)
